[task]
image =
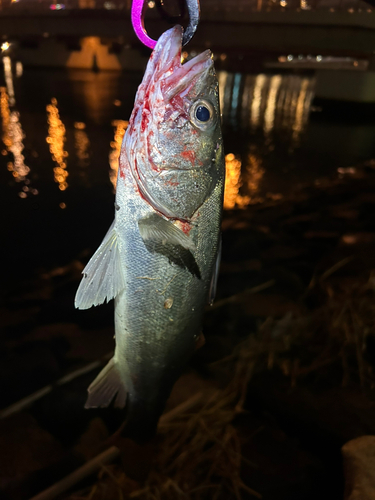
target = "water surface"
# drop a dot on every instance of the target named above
(61, 132)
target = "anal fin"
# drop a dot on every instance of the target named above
(105, 387)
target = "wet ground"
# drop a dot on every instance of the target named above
(296, 278)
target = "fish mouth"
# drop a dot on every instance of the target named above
(177, 78)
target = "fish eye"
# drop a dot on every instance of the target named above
(203, 114)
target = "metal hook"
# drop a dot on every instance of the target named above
(137, 16)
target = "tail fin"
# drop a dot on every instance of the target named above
(105, 387)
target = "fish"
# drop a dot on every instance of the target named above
(159, 260)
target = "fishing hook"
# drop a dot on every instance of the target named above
(137, 17)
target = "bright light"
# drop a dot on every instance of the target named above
(290, 58)
(19, 68)
(57, 6)
(5, 46)
(319, 58)
(56, 139)
(151, 4)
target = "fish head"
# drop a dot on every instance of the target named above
(173, 143)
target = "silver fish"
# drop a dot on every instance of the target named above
(159, 260)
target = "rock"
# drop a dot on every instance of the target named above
(359, 468)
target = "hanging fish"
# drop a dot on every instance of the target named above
(159, 260)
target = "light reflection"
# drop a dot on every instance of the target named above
(257, 100)
(302, 110)
(120, 128)
(93, 54)
(235, 95)
(19, 69)
(9, 79)
(245, 104)
(269, 115)
(82, 144)
(254, 175)
(20, 170)
(223, 76)
(97, 92)
(56, 140)
(233, 183)
(5, 118)
(268, 103)
(305, 5)
(13, 134)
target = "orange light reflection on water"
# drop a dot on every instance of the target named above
(20, 170)
(12, 138)
(82, 145)
(253, 174)
(5, 116)
(114, 154)
(56, 140)
(233, 182)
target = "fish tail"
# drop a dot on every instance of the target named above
(106, 386)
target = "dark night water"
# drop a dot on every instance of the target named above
(274, 140)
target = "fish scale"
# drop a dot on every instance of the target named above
(158, 259)
(153, 347)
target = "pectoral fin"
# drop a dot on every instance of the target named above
(158, 230)
(163, 237)
(102, 277)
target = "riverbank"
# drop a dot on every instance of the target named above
(296, 295)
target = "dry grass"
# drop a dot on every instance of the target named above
(335, 332)
(199, 453)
